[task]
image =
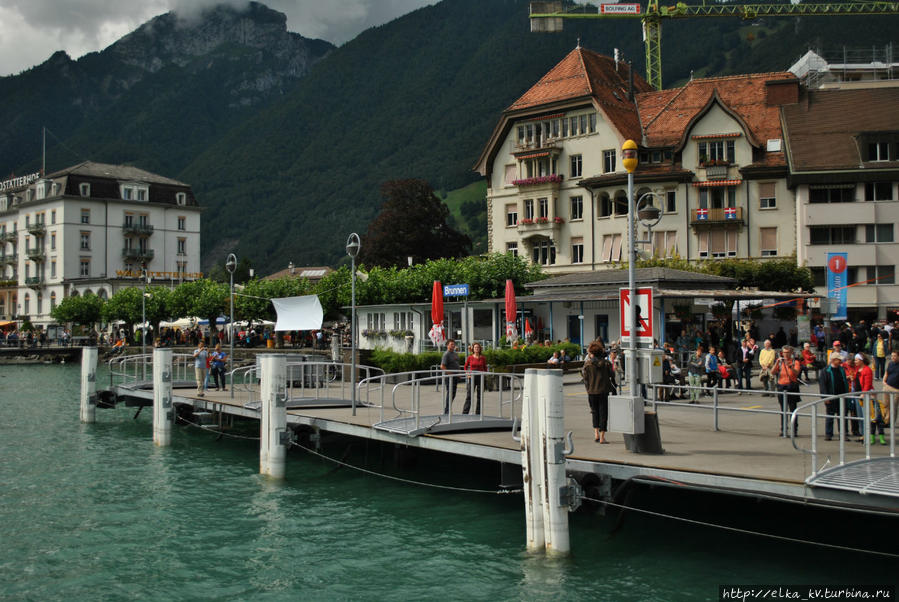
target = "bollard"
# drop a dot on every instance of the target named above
(532, 475)
(273, 426)
(162, 397)
(89, 384)
(555, 481)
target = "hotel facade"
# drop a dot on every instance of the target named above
(92, 228)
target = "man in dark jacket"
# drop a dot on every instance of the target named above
(833, 381)
(599, 377)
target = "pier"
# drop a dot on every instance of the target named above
(727, 443)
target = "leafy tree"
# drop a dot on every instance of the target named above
(768, 274)
(412, 222)
(204, 298)
(125, 305)
(84, 309)
(254, 302)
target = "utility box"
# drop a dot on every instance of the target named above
(650, 361)
(626, 414)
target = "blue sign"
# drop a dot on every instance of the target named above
(837, 282)
(455, 290)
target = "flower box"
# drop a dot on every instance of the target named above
(550, 179)
(525, 222)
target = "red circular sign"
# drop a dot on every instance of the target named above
(837, 264)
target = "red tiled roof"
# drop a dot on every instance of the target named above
(666, 114)
(587, 74)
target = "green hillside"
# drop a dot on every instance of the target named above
(468, 210)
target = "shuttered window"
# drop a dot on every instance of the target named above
(768, 241)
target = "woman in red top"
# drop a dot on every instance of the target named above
(475, 362)
(865, 379)
(852, 405)
(808, 359)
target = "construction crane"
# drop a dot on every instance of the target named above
(548, 17)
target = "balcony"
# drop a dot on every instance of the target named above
(716, 218)
(138, 229)
(34, 254)
(542, 226)
(9, 236)
(539, 143)
(33, 281)
(9, 258)
(137, 254)
(37, 229)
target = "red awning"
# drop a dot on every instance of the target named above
(713, 183)
(533, 155)
(716, 136)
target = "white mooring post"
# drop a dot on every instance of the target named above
(555, 482)
(531, 468)
(89, 384)
(163, 414)
(273, 426)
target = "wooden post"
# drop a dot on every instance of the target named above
(89, 384)
(273, 426)
(162, 397)
(532, 473)
(555, 481)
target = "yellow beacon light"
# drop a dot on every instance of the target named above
(629, 155)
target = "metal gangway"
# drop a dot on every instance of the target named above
(309, 384)
(878, 475)
(415, 403)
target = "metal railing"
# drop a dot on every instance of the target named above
(305, 380)
(131, 369)
(503, 394)
(866, 399)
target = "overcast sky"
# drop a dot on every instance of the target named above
(32, 30)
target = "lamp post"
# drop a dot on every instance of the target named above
(353, 244)
(231, 265)
(629, 160)
(143, 325)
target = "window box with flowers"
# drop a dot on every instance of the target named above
(550, 179)
(401, 334)
(542, 220)
(371, 333)
(526, 222)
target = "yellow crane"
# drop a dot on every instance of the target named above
(549, 16)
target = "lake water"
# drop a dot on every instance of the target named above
(97, 512)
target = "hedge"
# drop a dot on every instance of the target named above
(392, 362)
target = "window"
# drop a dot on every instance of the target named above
(52, 301)
(544, 253)
(664, 243)
(577, 250)
(84, 190)
(85, 267)
(182, 243)
(53, 269)
(834, 193)
(879, 191)
(611, 247)
(572, 122)
(53, 216)
(608, 161)
(141, 194)
(881, 274)
(511, 215)
(555, 128)
(879, 151)
(605, 205)
(826, 235)
(717, 243)
(85, 241)
(768, 241)
(717, 198)
(181, 223)
(521, 138)
(564, 127)
(717, 150)
(26, 305)
(819, 277)
(767, 199)
(529, 209)
(576, 166)
(543, 208)
(592, 122)
(583, 124)
(510, 175)
(129, 219)
(85, 216)
(181, 198)
(621, 203)
(512, 247)
(670, 201)
(577, 207)
(879, 233)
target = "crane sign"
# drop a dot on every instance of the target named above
(645, 326)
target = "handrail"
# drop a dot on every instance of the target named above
(309, 380)
(868, 397)
(138, 367)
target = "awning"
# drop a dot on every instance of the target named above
(7, 323)
(716, 136)
(715, 183)
(298, 313)
(533, 155)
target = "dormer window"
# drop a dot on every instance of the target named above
(879, 151)
(134, 192)
(84, 189)
(716, 152)
(181, 198)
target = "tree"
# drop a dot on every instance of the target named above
(768, 274)
(203, 298)
(125, 305)
(412, 222)
(84, 309)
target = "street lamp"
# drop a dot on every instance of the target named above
(231, 265)
(143, 313)
(629, 160)
(353, 244)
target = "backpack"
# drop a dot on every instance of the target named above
(712, 363)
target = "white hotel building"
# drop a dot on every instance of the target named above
(92, 228)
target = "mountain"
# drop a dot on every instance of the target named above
(157, 96)
(288, 166)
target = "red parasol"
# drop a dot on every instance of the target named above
(528, 331)
(511, 312)
(436, 334)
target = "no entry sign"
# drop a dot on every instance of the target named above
(645, 327)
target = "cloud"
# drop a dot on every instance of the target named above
(32, 30)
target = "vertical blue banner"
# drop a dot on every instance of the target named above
(837, 281)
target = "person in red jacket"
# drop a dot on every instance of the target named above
(786, 370)
(808, 359)
(864, 377)
(474, 362)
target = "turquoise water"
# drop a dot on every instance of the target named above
(97, 512)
